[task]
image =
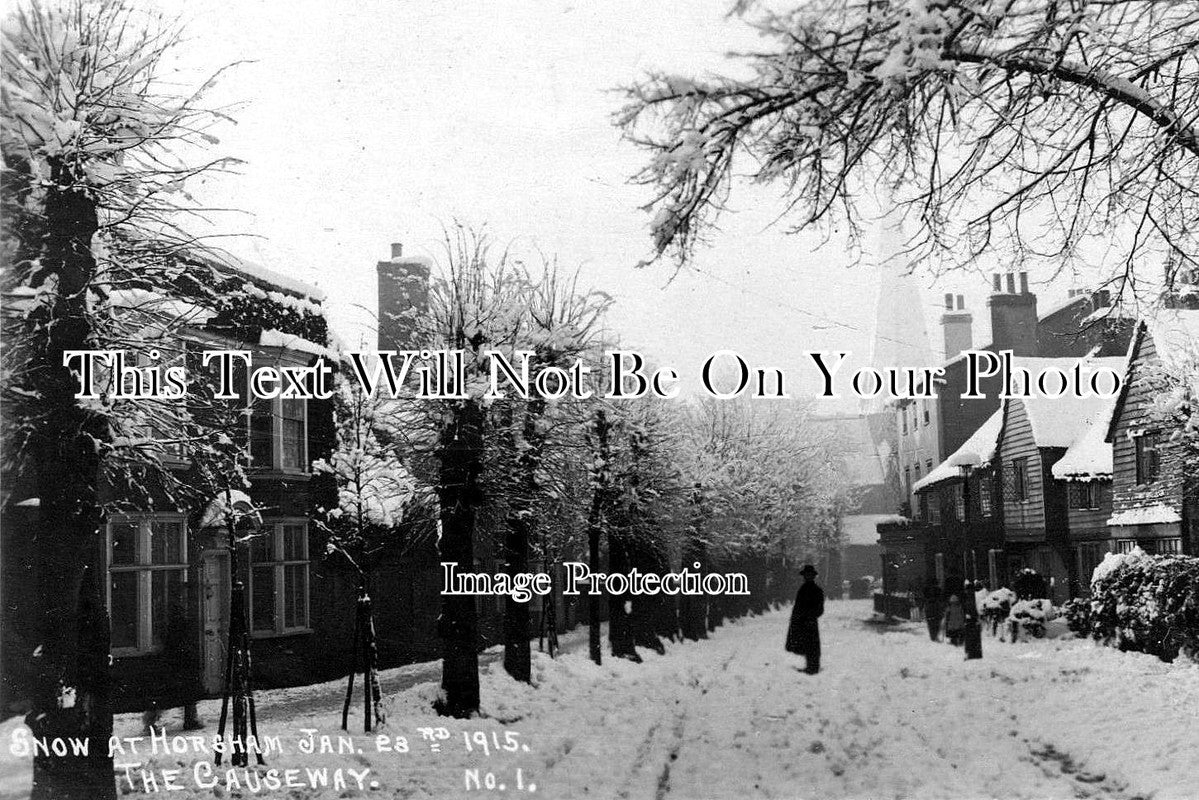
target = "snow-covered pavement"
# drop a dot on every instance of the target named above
(891, 715)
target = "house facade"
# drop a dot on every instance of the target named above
(1039, 505)
(166, 554)
(931, 432)
(1072, 478)
(1154, 503)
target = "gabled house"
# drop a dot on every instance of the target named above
(1036, 434)
(929, 430)
(1154, 502)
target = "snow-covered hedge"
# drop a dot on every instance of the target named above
(1144, 603)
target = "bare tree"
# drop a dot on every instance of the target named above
(1031, 131)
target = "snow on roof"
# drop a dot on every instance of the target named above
(981, 444)
(287, 341)
(1061, 421)
(1118, 311)
(1090, 457)
(259, 274)
(1156, 514)
(1061, 305)
(863, 528)
(278, 279)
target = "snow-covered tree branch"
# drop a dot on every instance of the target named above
(1023, 131)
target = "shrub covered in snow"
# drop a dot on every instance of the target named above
(1000, 600)
(1146, 603)
(1078, 615)
(1031, 615)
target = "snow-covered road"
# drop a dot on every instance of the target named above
(891, 715)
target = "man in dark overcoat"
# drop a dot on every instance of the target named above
(803, 635)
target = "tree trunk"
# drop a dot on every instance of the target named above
(647, 608)
(693, 611)
(595, 646)
(461, 465)
(620, 623)
(517, 655)
(595, 528)
(73, 680)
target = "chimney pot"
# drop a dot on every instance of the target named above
(1011, 283)
(949, 302)
(397, 250)
(961, 303)
(997, 287)
(1023, 283)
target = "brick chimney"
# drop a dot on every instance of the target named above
(957, 325)
(403, 293)
(1013, 315)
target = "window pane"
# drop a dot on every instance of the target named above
(262, 547)
(124, 609)
(166, 542)
(293, 543)
(295, 612)
(124, 543)
(263, 599)
(293, 444)
(262, 427)
(166, 606)
(292, 409)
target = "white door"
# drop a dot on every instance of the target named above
(214, 581)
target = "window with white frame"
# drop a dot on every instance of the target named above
(279, 434)
(278, 572)
(147, 570)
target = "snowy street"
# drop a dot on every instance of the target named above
(891, 715)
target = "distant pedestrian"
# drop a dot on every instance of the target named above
(803, 634)
(933, 609)
(955, 620)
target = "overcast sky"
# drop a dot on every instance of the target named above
(377, 121)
